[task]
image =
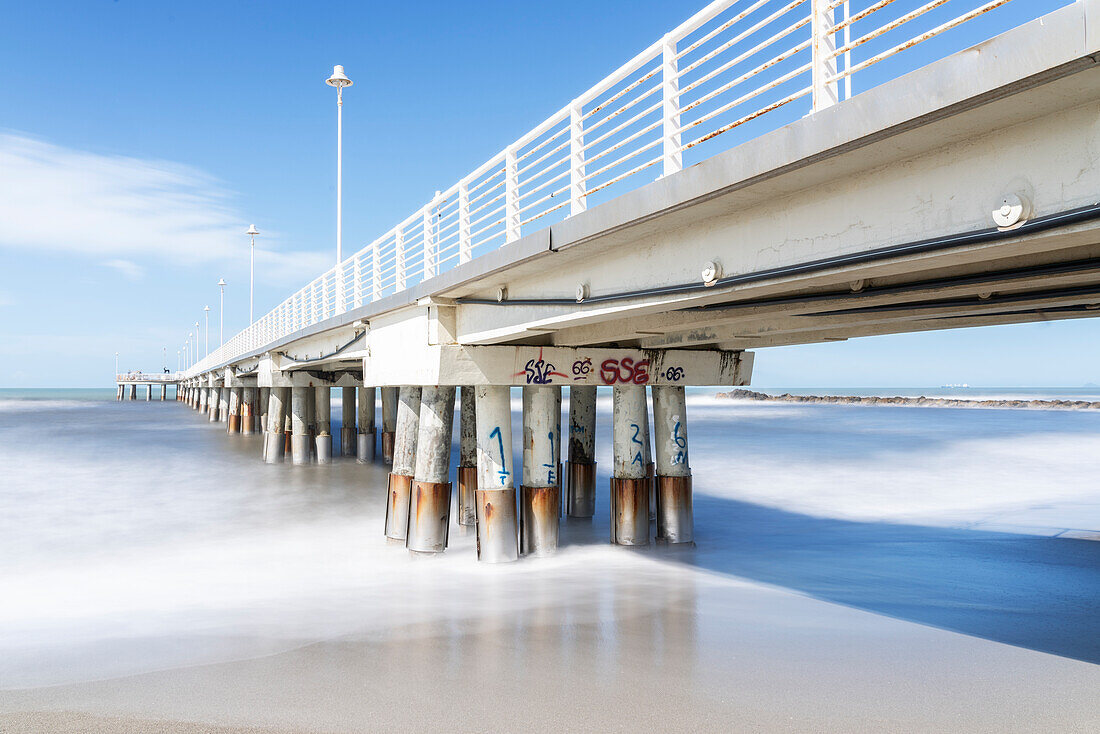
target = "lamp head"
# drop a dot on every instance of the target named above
(221, 282)
(205, 308)
(338, 78)
(252, 230)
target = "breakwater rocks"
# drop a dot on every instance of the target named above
(919, 401)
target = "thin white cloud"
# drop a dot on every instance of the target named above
(131, 270)
(129, 210)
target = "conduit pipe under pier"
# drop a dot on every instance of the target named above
(364, 453)
(495, 499)
(406, 434)
(539, 495)
(430, 501)
(467, 458)
(629, 482)
(389, 422)
(581, 487)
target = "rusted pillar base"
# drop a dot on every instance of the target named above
(364, 448)
(387, 446)
(276, 448)
(580, 499)
(323, 444)
(234, 423)
(496, 525)
(398, 496)
(348, 442)
(467, 502)
(429, 517)
(675, 517)
(248, 422)
(538, 520)
(287, 441)
(630, 511)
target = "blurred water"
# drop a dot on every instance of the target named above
(137, 536)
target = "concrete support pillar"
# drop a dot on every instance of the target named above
(364, 453)
(311, 422)
(647, 456)
(234, 421)
(389, 421)
(276, 415)
(629, 485)
(467, 458)
(348, 440)
(430, 502)
(199, 396)
(223, 404)
(322, 403)
(581, 478)
(248, 411)
(540, 496)
(288, 421)
(148, 393)
(675, 517)
(495, 500)
(406, 434)
(118, 392)
(263, 399)
(133, 392)
(299, 414)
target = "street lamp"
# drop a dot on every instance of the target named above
(187, 345)
(206, 309)
(339, 80)
(221, 312)
(164, 350)
(252, 232)
(196, 341)
(116, 364)
(178, 362)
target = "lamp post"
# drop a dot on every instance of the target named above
(187, 345)
(196, 341)
(252, 232)
(221, 312)
(164, 351)
(178, 362)
(339, 80)
(116, 364)
(206, 310)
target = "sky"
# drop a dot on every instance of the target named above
(138, 141)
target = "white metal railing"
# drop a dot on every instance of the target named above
(704, 87)
(148, 377)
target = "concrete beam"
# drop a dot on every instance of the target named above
(520, 365)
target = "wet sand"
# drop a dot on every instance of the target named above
(293, 614)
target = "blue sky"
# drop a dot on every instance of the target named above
(138, 140)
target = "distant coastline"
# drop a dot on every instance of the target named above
(921, 401)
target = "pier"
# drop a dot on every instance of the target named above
(962, 193)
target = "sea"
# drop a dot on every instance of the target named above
(137, 537)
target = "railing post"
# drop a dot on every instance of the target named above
(511, 196)
(430, 245)
(376, 271)
(465, 250)
(672, 157)
(399, 260)
(823, 64)
(578, 192)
